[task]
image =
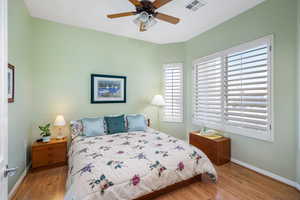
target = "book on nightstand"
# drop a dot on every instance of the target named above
(209, 133)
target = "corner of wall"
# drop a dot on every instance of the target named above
(298, 101)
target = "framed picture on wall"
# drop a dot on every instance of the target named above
(108, 89)
(11, 83)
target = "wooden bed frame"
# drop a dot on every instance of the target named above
(171, 188)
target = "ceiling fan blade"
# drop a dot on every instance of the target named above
(135, 2)
(125, 14)
(167, 18)
(160, 3)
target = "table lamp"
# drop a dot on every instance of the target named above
(60, 122)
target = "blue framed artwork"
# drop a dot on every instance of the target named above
(108, 89)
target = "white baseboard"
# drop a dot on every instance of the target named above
(18, 183)
(267, 173)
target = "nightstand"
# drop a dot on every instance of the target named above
(48, 154)
(217, 150)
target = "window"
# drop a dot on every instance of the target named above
(208, 92)
(173, 87)
(232, 90)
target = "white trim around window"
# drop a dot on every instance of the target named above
(232, 90)
(173, 92)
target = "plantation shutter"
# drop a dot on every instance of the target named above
(207, 95)
(173, 87)
(246, 83)
(232, 90)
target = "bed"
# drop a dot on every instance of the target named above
(133, 165)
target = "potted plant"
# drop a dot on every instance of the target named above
(45, 132)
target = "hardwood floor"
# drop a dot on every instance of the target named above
(235, 182)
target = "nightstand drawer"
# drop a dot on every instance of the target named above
(49, 147)
(39, 158)
(47, 154)
(58, 155)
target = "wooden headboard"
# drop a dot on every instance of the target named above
(148, 122)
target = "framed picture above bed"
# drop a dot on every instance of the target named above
(11, 83)
(108, 89)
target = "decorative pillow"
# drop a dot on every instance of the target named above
(136, 122)
(93, 126)
(76, 128)
(115, 124)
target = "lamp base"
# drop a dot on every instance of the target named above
(60, 137)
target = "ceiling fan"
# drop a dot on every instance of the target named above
(146, 11)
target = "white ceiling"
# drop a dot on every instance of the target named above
(91, 14)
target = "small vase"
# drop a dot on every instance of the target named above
(46, 139)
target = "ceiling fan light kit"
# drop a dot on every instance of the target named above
(145, 21)
(146, 11)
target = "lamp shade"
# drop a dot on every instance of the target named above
(158, 100)
(59, 121)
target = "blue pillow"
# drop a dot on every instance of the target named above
(93, 126)
(136, 123)
(115, 124)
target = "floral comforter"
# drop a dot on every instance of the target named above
(130, 165)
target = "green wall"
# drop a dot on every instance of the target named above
(172, 53)
(19, 113)
(65, 56)
(298, 152)
(275, 17)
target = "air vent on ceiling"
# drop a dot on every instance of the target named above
(195, 4)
